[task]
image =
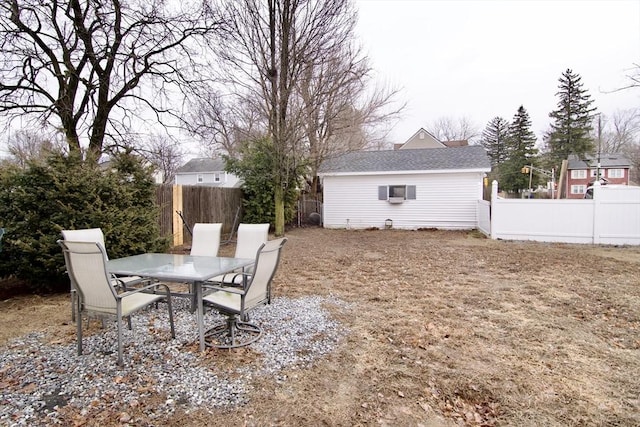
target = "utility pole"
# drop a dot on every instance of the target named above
(552, 174)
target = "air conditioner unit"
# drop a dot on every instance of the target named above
(396, 199)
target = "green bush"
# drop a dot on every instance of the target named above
(256, 167)
(62, 192)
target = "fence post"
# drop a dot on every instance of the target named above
(492, 207)
(178, 233)
(596, 208)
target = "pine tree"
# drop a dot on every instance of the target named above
(521, 143)
(521, 150)
(494, 139)
(570, 131)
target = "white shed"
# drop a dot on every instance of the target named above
(408, 189)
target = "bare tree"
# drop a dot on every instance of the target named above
(621, 134)
(451, 129)
(614, 134)
(223, 126)
(267, 51)
(634, 79)
(165, 155)
(632, 152)
(95, 66)
(340, 111)
(25, 145)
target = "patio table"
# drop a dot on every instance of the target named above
(194, 270)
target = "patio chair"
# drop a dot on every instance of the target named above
(250, 238)
(97, 236)
(206, 239)
(96, 295)
(236, 303)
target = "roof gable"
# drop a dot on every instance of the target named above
(421, 139)
(201, 165)
(454, 158)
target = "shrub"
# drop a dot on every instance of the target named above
(65, 192)
(256, 168)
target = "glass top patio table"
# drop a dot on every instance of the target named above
(175, 267)
(179, 268)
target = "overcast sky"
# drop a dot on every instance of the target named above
(482, 59)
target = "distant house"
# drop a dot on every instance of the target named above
(582, 171)
(424, 139)
(205, 171)
(405, 188)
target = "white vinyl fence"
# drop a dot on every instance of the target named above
(611, 217)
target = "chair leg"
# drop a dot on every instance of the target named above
(225, 335)
(232, 329)
(129, 322)
(119, 325)
(119, 321)
(192, 293)
(173, 330)
(79, 330)
(73, 305)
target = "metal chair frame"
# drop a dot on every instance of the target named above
(236, 303)
(97, 295)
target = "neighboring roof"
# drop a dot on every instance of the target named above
(202, 165)
(615, 160)
(471, 157)
(421, 139)
(425, 139)
(456, 143)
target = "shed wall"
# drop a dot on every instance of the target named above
(445, 201)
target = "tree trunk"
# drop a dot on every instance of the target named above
(279, 209)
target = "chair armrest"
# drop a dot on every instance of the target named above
(229, 289)
(229, 279)
(233, 283)
(124, 285)
(128, 281)
(144, 288)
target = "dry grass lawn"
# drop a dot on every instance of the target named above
(447, 328)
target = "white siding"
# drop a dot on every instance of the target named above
(208, 178)
(446, 201)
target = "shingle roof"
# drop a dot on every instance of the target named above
(606, 161)
(202, 165)
(424, 159)
(456, 143)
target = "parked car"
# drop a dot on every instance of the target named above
(614, 191)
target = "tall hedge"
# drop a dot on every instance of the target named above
(66, 192)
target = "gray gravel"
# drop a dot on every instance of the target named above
(38, 377)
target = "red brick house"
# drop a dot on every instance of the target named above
(581, 172)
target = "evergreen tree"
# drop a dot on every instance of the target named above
(256, 166)
(521, 150)
(521, 143)
(494, 139)
(570, 131)
(66, 192)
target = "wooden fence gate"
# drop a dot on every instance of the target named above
(196, 204)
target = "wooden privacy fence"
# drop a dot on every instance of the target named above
(197, 204)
